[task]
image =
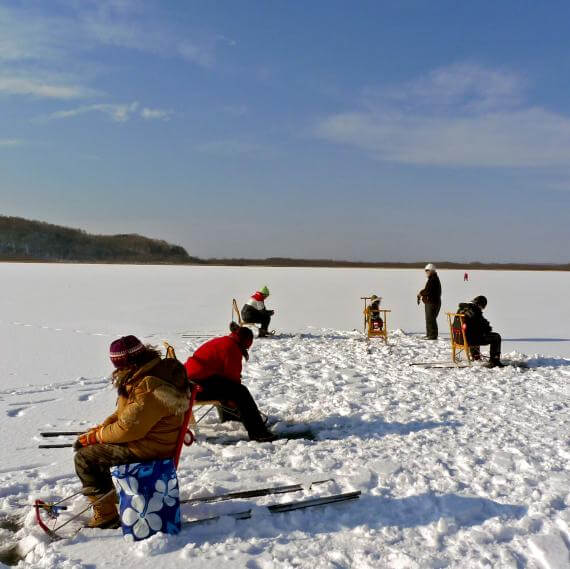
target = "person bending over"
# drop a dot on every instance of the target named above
(478, 330)
(216, 366)
(254, 311)
(152, 401)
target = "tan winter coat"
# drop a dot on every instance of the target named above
(149, 418)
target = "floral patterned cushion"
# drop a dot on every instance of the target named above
(148, 496)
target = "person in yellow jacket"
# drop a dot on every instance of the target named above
(152, 401)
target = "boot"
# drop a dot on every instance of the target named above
(264, 437)
(495, 362)
(105, 513)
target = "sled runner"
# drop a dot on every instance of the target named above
(75, 523)
(375, 320)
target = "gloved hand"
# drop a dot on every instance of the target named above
(419, 298)
(271, 312)
(89, 438)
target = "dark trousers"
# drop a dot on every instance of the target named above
(223, 389)
(432, 310)
(253, 316)
(92, 466)
(494, 341)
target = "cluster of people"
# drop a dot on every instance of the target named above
(152, 399)
(478, 330)
(153, 392)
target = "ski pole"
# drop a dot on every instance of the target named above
(66, 445)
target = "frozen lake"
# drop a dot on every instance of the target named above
(459, 468)
(56, 321)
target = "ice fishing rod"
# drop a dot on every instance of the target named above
(59, 434)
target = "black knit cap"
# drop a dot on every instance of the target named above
(480, 301)
(245, 337)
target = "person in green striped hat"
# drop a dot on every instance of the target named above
(254, 311)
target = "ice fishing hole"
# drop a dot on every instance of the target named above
(9, 553)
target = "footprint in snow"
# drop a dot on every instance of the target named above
(86, 396)
(18, 412)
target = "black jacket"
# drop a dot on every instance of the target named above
(431, 293)
(476, 326)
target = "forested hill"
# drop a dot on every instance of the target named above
(23, 239)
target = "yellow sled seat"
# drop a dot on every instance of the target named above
(369, 329)
(458, 337)
(236, 316)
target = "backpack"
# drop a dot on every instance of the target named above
(456, 326)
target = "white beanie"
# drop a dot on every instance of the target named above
(430, 267)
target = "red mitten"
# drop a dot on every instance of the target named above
(86, 439)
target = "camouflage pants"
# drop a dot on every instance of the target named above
(92, 465)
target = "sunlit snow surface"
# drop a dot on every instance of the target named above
(458, 468)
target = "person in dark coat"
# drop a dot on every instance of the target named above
(216, 367)
(431, 296)
(255, 312)
(478, 330)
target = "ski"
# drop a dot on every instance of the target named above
(253, 493)
(450, 365)
(60, 433)
(282, 508)
(197, 336)
(440, 365)
(306, 434)
(55, 534)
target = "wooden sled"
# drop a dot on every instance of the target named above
(369, 329)
(236, 317)
(458, 338)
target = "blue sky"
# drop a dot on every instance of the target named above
(363, 130)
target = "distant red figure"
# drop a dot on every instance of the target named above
(465, 277)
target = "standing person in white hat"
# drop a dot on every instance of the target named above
(431, 296)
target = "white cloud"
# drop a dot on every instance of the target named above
(456, 116)
(10, 142)
(117, 112)
(462, 86)
(156, 114)
(18, 85)
(126, 25)
(38, 44)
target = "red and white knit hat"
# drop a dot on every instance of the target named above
(123, 351)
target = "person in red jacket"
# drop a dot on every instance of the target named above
(216, 367)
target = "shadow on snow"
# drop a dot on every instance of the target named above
(374, 512)
(337, 427)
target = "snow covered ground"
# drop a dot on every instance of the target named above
(459, 468)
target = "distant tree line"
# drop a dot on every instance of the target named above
(471, 265)
(23, 239)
